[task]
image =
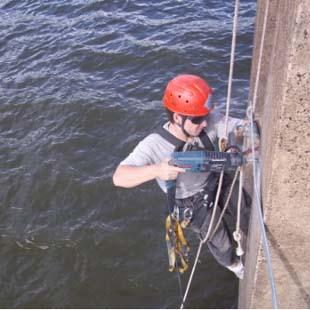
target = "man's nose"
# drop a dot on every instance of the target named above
(204, 124)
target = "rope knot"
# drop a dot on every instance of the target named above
(237, 237)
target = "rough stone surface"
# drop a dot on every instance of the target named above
(283, 109)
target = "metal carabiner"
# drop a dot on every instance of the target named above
(176, 213)
(187, 214)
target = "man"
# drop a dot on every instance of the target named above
(190, 127)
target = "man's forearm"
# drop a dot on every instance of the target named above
(131, 176)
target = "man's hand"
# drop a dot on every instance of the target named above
(167, 172)
(223, 144)
(131, 176)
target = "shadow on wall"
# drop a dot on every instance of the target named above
(289, 267)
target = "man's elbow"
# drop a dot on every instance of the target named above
(118, 179)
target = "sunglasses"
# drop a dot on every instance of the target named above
(197, 120)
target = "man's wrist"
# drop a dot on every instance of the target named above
(154, 169)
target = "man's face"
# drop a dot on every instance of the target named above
(195, 125)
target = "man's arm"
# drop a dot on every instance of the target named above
(130, 176)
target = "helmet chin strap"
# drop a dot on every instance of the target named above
(187, 135)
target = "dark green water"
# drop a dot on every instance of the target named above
(81, 82)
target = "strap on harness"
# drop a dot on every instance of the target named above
(177, 245)
(179, 144)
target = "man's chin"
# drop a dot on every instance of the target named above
(197, 134)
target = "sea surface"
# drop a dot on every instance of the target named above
(81, 82)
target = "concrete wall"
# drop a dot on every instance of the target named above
(283, 111)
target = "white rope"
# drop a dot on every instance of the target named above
(255, 169)
(237, 234)
(250, 113)
(191, 275)
(260, 57)
(231, 68)
(226, 203)
(239, 199)
(232, 56)
(217, 197)
(260, 216)
(203, 240)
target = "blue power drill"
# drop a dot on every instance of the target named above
(202, 161)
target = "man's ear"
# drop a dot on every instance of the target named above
(177, 118)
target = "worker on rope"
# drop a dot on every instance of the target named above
(193, 125)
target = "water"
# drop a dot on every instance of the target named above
(81, 82)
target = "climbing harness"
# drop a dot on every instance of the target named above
(177, 245)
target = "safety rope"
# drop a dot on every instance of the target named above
(237, 233)
(232, 56)
(256, 175)
(260, 216)
(230, 78)
(232, 61)
(226, 204)
(260, 57)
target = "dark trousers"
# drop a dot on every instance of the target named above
(202, 205)
(232, 209)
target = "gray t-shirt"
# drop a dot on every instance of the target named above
(154, 149)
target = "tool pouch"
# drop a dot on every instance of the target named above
(177, 246)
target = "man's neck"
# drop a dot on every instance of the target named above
(176, 130)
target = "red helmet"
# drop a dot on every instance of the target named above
(188, 95)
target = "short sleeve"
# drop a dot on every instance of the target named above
(151, 150)
(141, 154)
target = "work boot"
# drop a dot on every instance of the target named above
(237, 268)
